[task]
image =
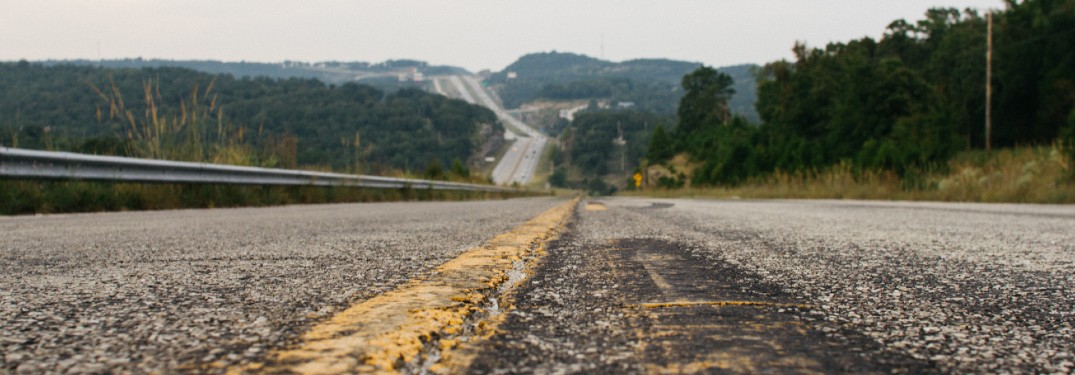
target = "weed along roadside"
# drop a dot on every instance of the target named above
(34, 197)
(1018, 175)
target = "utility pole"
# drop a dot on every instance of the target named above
(619, 141)
(989, 84)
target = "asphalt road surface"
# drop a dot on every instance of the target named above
(630, 286)
(464, 94)
(669, 286)
(159, 291)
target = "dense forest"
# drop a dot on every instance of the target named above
(902, 103)
(89, 109)
(652, 84)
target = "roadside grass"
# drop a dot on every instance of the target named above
(1016, 175)
(44, 197)
(196, 131)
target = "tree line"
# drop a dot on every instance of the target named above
(902, 103)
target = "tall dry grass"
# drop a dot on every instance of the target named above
(1026, 174)
(195, 132)
(1018, 175)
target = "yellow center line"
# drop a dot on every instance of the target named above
(595, 207)
(660, 305)
(647, 261)
(376, 335)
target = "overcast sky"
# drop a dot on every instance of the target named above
(474, 34)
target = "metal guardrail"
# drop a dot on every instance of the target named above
(21, 163)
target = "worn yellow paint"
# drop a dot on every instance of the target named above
(659, 305)
(726, 360)
(695, 367)
(647, 261)
(379, 334)
(594, 206)
(462, 354)
(736, 363)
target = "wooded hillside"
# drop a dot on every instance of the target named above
(70, 107)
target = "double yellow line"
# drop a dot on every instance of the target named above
(381, 334)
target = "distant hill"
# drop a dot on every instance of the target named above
(559, 66)
(652, 84)
(333, 72)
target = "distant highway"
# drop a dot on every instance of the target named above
(519, 163)
(463, 93)
(523, 170)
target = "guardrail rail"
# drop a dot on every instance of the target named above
(18, 163)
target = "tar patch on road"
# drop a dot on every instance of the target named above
(653, 306)
(656, 206)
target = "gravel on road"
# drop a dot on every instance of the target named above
(633, 286)
(885, 287)
(968, 287)
(166, 291)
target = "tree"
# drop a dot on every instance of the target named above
(1068, 139)
(434, 171)
(705, 101)
(459, 170)
(660, 146)
(558, 178)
